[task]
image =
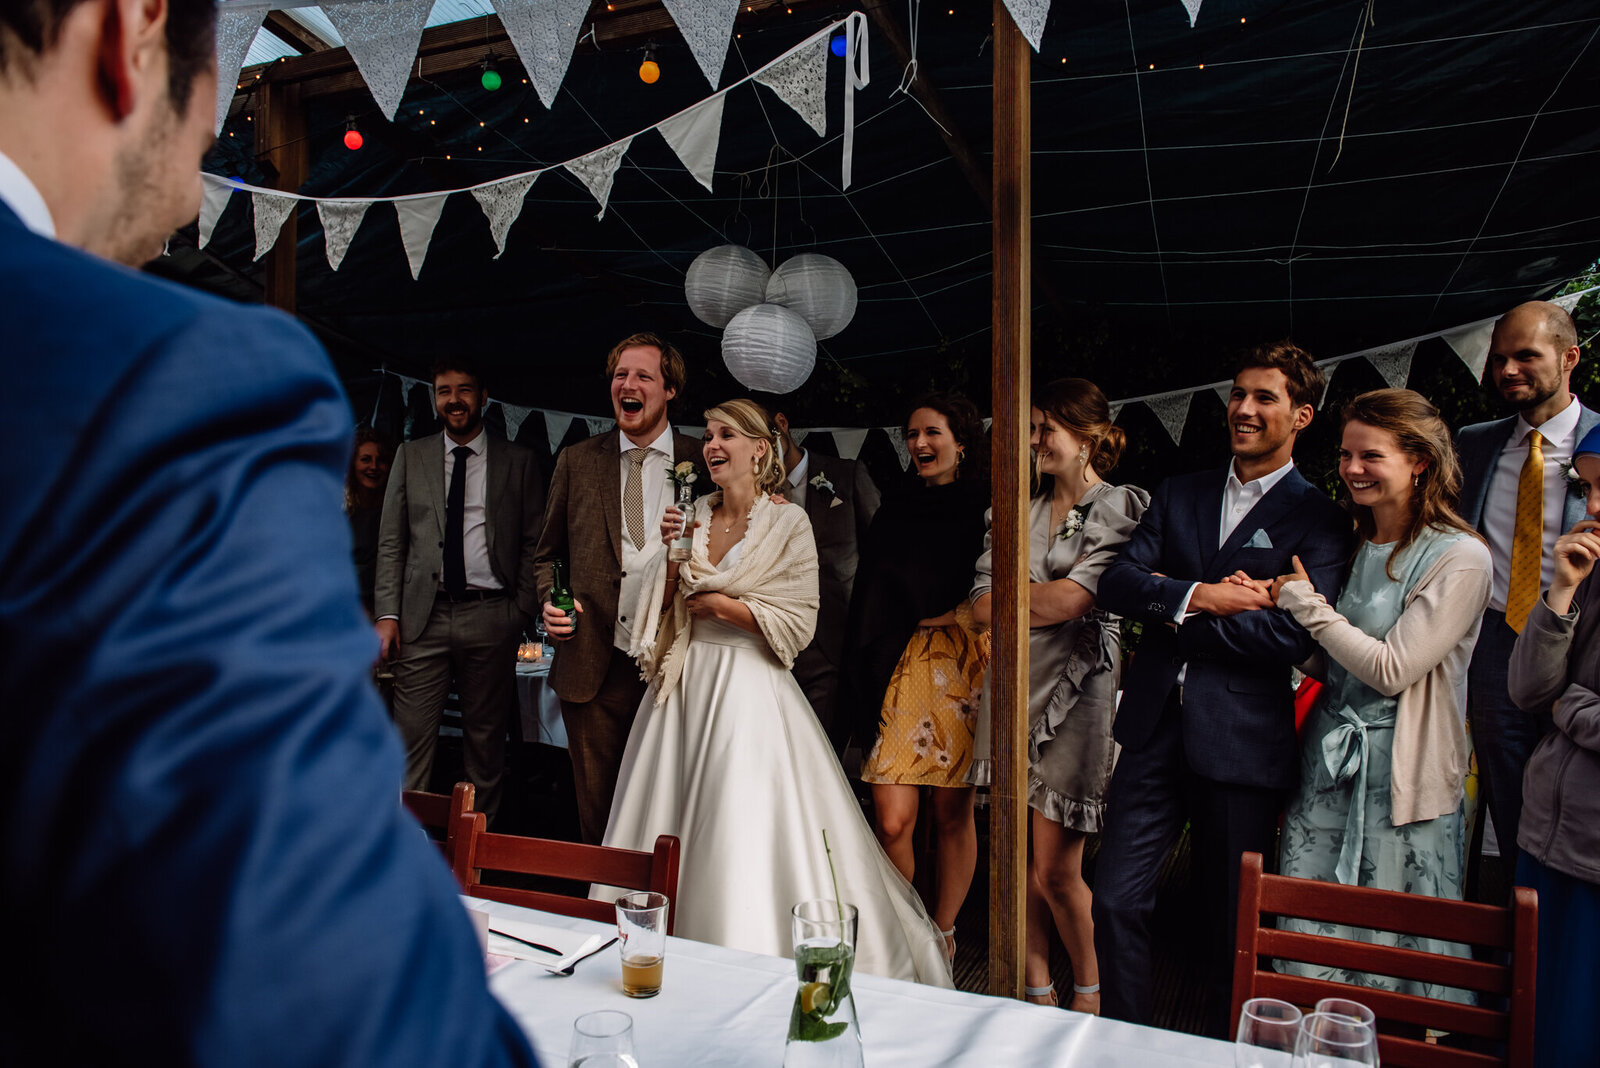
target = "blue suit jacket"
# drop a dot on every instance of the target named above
(1238, 710)
(1480, 446)
(204, 855)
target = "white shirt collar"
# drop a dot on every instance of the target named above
(798, 475)
(477, 444)
(22, 197)
(1262, 484)
(662, 444)
(1556, 430)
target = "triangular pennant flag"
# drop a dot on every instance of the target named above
(1569, 301)
(1328, 367)
(596, 424)
(382, 36)
(1223, 390)
(1173, 411)
(1030, 16)
(1471, 343)
(1116, 410)
(801, 81)
(236, 28)
(270, 211)
(502, 203)
(418, 216)
(1394, 363)
(213, 199)
(849, 442)
(988, 421)
(555, 427)
(693, 135)
(515, 417)
(340, 221)
(598, 168)
(696, 432)
(897, 438)
(544, 34)
(1193, 8)
(707, 26)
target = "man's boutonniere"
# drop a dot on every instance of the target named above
(1071, 525)
(1573, 480)
(820, 483)
(684, 474)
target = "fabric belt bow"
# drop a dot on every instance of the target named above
(1344, 757)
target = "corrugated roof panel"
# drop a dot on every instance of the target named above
(267, 47)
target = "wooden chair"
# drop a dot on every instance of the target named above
(1512, 930)
(477, 850)
(439, 812)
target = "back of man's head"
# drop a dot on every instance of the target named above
(29, 29)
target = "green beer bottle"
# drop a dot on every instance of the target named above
(561, 594)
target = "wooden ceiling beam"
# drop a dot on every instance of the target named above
(293, 33)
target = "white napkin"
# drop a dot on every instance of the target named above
(574, 945)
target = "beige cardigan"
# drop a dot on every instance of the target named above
(1424, 660)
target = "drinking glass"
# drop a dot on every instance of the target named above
(642, 940)
(823, 1030)
(1345, 1007)
(1333, 1040)
(1267, 1032)
(602, 1040)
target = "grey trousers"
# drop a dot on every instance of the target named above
(476, 643)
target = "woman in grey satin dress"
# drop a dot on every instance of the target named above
(1077, 524)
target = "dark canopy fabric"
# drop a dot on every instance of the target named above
(1283, 168)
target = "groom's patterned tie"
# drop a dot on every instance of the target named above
(633, 496)
(1527, 537)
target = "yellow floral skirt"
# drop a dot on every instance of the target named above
(930, 709)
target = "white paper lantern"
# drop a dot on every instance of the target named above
(724, 281)
(819, 288)
(769, 348)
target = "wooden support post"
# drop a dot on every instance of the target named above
(281, 139)
(1008, 669)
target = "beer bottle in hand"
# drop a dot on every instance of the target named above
(561, 594)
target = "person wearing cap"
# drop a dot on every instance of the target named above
(1555, 674)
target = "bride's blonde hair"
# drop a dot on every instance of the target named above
(750, 420)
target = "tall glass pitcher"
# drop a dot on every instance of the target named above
(822, 1026)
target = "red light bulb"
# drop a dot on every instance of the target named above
(353, 139)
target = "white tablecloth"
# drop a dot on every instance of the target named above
(723, 1007)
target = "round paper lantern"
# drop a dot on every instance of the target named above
(769, 348)
(724, 281)
(819, 288)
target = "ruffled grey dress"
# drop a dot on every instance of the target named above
(1073, 667)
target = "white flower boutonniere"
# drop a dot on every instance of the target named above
(684, 474)
(1573, 480)
(1073, 524)
(820, 483)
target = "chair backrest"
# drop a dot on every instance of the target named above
(1510, 931)
(439, 812)
(477, 851)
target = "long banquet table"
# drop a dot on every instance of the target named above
(725, 1007)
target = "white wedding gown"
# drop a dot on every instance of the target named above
(736, 765)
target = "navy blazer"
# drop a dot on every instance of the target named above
(1238, 709)
(1480, 446)
(204, 855)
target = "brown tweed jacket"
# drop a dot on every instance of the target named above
(583, 525)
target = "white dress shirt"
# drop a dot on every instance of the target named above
(22, 197)
(653, 481)
(797, 480)
(1560, 434)
(474, 518)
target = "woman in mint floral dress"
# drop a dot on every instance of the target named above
(1384, 752)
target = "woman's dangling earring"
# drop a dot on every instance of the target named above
(960, 453)
(1083, 456)
(1416, 480)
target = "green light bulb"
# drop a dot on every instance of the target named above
(491, 79)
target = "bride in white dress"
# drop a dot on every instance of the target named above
(725, 752)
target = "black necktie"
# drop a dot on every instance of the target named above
(455, 557)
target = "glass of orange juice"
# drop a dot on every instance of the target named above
(642, 938)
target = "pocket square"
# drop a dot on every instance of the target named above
(836, 502)
(1259, 540)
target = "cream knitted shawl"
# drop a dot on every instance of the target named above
(775, 577)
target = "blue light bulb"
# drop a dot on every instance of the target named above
(837, 45)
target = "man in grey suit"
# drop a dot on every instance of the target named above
(840, 498)
(1514, 467)
(455, 581)
(596, 483)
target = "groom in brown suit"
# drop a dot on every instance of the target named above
(603, 516)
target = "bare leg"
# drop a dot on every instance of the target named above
(1037, 960)
(1058, 872)
(958, 852)
(895, 815)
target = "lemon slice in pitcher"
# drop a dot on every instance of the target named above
(814, 996)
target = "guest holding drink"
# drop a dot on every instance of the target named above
(916, 655)
(1077, 523)
(1555, 674)
(1384, 753)
(364, 485)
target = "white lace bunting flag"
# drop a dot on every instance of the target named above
(801, 80)
(382, 36)
(235, 30)
(706, 25)
(555, 427)
(418, 216)
(897, 438)
(1568, 302)
(213, 199)
(1193, 8)
(270, 211)
(340, 221)
(1471, 343)
(597, 170)
(515, 417)
(1223, 390)
(1173, 411)
(597, 424)
(544, 33)
(1116, 410)
(1030, 17)
(1394, 363)
(502, 203)
(849, 442)
(1328, 367)
(693, 135)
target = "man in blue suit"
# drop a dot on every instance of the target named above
(202, 853)
(1517, 493)
(1206, 721)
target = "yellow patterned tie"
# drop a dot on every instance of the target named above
(1527, 537)
(633, 498)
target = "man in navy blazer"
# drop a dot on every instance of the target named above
(1531, 356)
(203, 857)
(1206, 720)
